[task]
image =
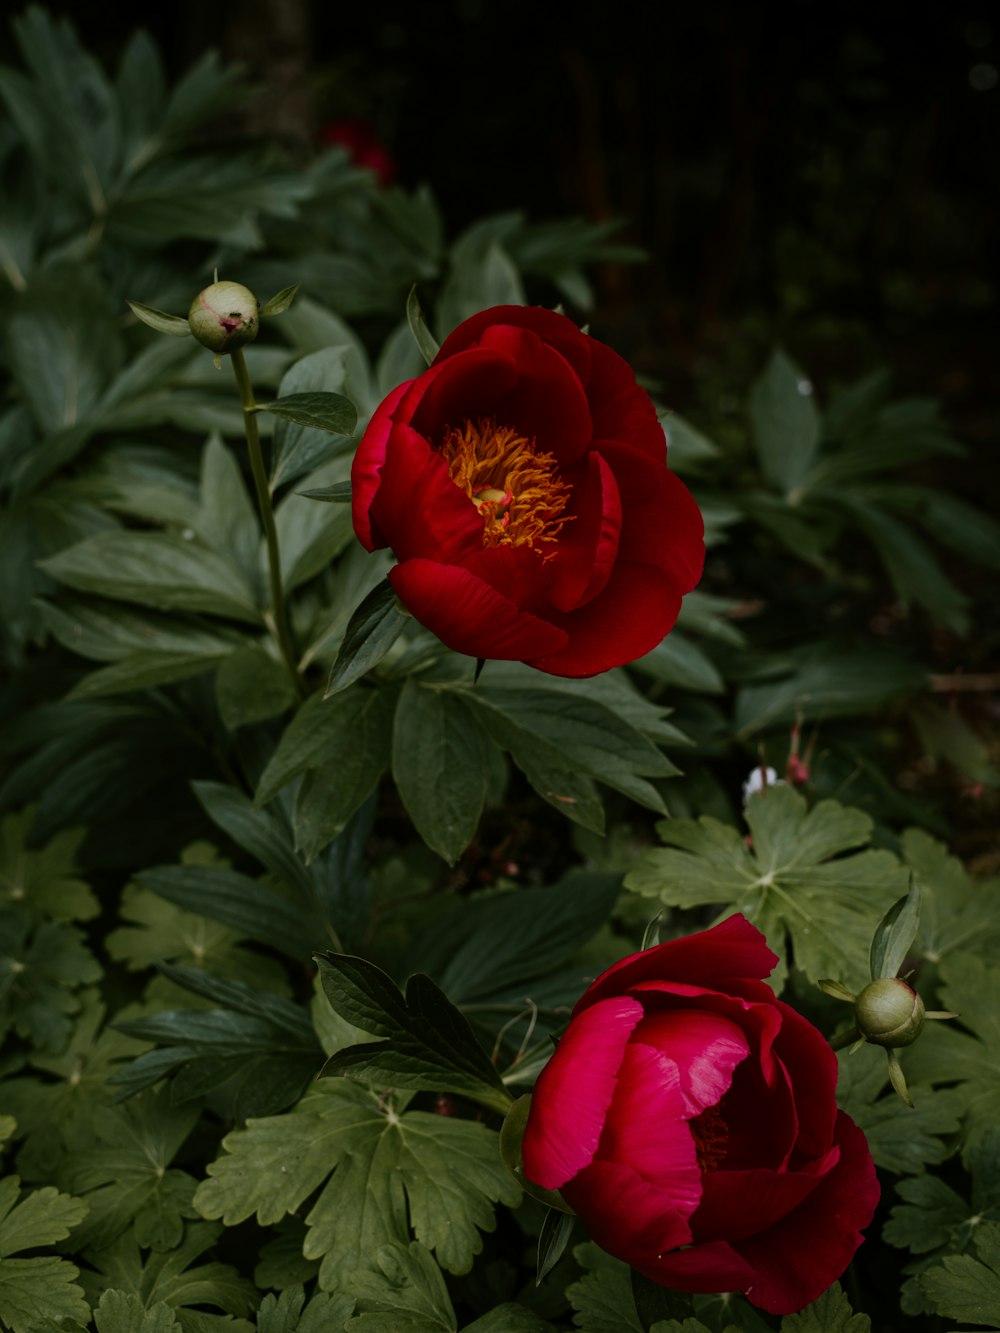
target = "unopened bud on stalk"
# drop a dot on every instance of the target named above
(224, 316)
(889, 1013)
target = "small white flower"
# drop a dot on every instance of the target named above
(760, 777)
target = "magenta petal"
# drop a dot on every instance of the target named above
(468, 615)
(711, 959)
(574, 1091)
(626, 1214)
(795, 1260)
(737, 1204)
(714, 1266)
(704, 1046)
(811, 1068)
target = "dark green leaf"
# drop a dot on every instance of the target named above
(338, 493)
(968, 1289)
(552, 1241)
(300, 447)
(252, 685)
(439, 766)
(830, 1313)
(786, 425)
(279, 303)
(371, 631)
(322, 411)
(427, 1044)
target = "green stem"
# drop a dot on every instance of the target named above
(278, 613)
(845, 1039)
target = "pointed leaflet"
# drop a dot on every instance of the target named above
(299, 448)
(371, 631)
(322, 411)
(444, 1173)
(801, 867)
(786, 425)
(428, 1044)
(895, 935)
(43, 1287)
(422, 336)
(439, 764)
(160, 320)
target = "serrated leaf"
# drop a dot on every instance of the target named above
(800, 870)
(967, 1050)
(124, 1312)
(373, 628)
(290, 1313)
(405, 1294)
(901, 1139)
(786, 425)
(602, 1298)
(40, 1293)
(169, 1276)
(321, 411)
(40, 972)
(957, 911)
(40, 1218)
(426, 1042)
(125, 1175)
(830, 1313)
(43, 879)
(159, 320)
(422, 336)
(968, 1289)
(444, 1173)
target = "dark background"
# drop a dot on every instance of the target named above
(821, 174)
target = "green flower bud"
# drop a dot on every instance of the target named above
(889, 1013)
(224, 317)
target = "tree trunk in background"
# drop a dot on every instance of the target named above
(273, 38)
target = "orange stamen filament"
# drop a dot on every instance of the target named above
(517, 490)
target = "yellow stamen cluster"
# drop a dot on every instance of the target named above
(517, 490)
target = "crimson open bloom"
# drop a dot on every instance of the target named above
(522, 483)
(688, 1116)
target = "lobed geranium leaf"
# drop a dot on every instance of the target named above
(291, 1313)
(42, 1287)
(169, 1277)
(602, 1298)
(956, 910)
(125, 1174)
(965, 1288)
(404, 1294)
(829, 1313)
(442, 1173)
(40, 973)
(43, 879)
(427, 1043)
(901, 1140)
(801, 867)
(966, 1051)
(124, 1312)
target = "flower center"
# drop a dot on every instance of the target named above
(711, 1137)
(517, 490)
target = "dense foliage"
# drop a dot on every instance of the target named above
(219, 877)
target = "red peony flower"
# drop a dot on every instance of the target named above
(522, 483)
(688, 1116)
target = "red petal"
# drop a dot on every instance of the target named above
(366, 471)
(705, 1047)
(588, 546)
(638, 605)
(622, 409)
(558, 331)
(468, 387)
(799, 1257)
(646, 1127)
(574, 1091)
(468, 615)
(731, 951)
(548, 403)
(417, 505)
(661, 525)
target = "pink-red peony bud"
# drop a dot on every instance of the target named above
(224, 317)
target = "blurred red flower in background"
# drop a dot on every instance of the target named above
(363, 145)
